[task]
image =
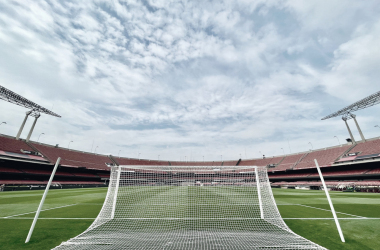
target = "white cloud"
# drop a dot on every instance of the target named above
(180, 78)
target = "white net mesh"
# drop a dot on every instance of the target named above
(150, 207)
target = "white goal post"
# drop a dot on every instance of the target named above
(159, 207)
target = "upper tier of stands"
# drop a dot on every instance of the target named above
(131, 161)
(261, 162)
(288, 162)
(197, 163)
(367, 147)
(8, 144)
(71, 158)
(324, 157)
(11, 147)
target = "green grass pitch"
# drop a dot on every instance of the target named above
(68, 212)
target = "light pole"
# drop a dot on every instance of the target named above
(203, 158)
(240, 156)
(221, 157)
(338, 140)
(261, 155)
(290, 150)
(3, 122)
(118, 154)
(95, 149)
(311, 146)
(185, 159)
(39, 137)
(139, 156)
(283, 150)
(375, 126)
(158, 157)
(69, 144)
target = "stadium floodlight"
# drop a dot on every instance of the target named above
(68, 146)
(369, 101)
(311, 145)
(3, 123)
(152, 208)
(283, 151)
(12, 97)
(35, 109)
(95, 149)
(377, 126)
(118, 154)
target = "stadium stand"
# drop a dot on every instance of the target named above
(9, 144)
(288, 162)
(72, 158)
(342, 173)
(196, 163)
(368, 147)
(261, 162)
(131, 161)
(229, 163)
(292, 176)
(326, 157)
(10, 147)
(18, 167)
(374, 171)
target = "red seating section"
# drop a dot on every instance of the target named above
(261, 162)
(367, 148)
(341, 173)
(328, 183)
(72, 158)
(196, 163)
(12, 145)
(131, 161)
(324, 157)
(288, 162)
(230, 163)
(374, 171)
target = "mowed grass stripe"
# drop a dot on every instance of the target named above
(51, 230)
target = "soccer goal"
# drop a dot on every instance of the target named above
(156, 207)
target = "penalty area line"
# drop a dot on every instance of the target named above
(6, 217)
(330, 211)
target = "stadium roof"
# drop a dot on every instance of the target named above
(10, 96)
(362, 104)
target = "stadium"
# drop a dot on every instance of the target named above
(176, 98)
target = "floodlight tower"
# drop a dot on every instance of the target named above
(35, 109)
(347, 114)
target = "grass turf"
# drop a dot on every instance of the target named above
(69, 212)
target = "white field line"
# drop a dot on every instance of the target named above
(30, 218)
(330, 211)
(35, 211)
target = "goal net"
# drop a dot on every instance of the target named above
(156, 207)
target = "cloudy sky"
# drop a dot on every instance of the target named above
(180, 79)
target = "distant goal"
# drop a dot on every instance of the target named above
(156, 207)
